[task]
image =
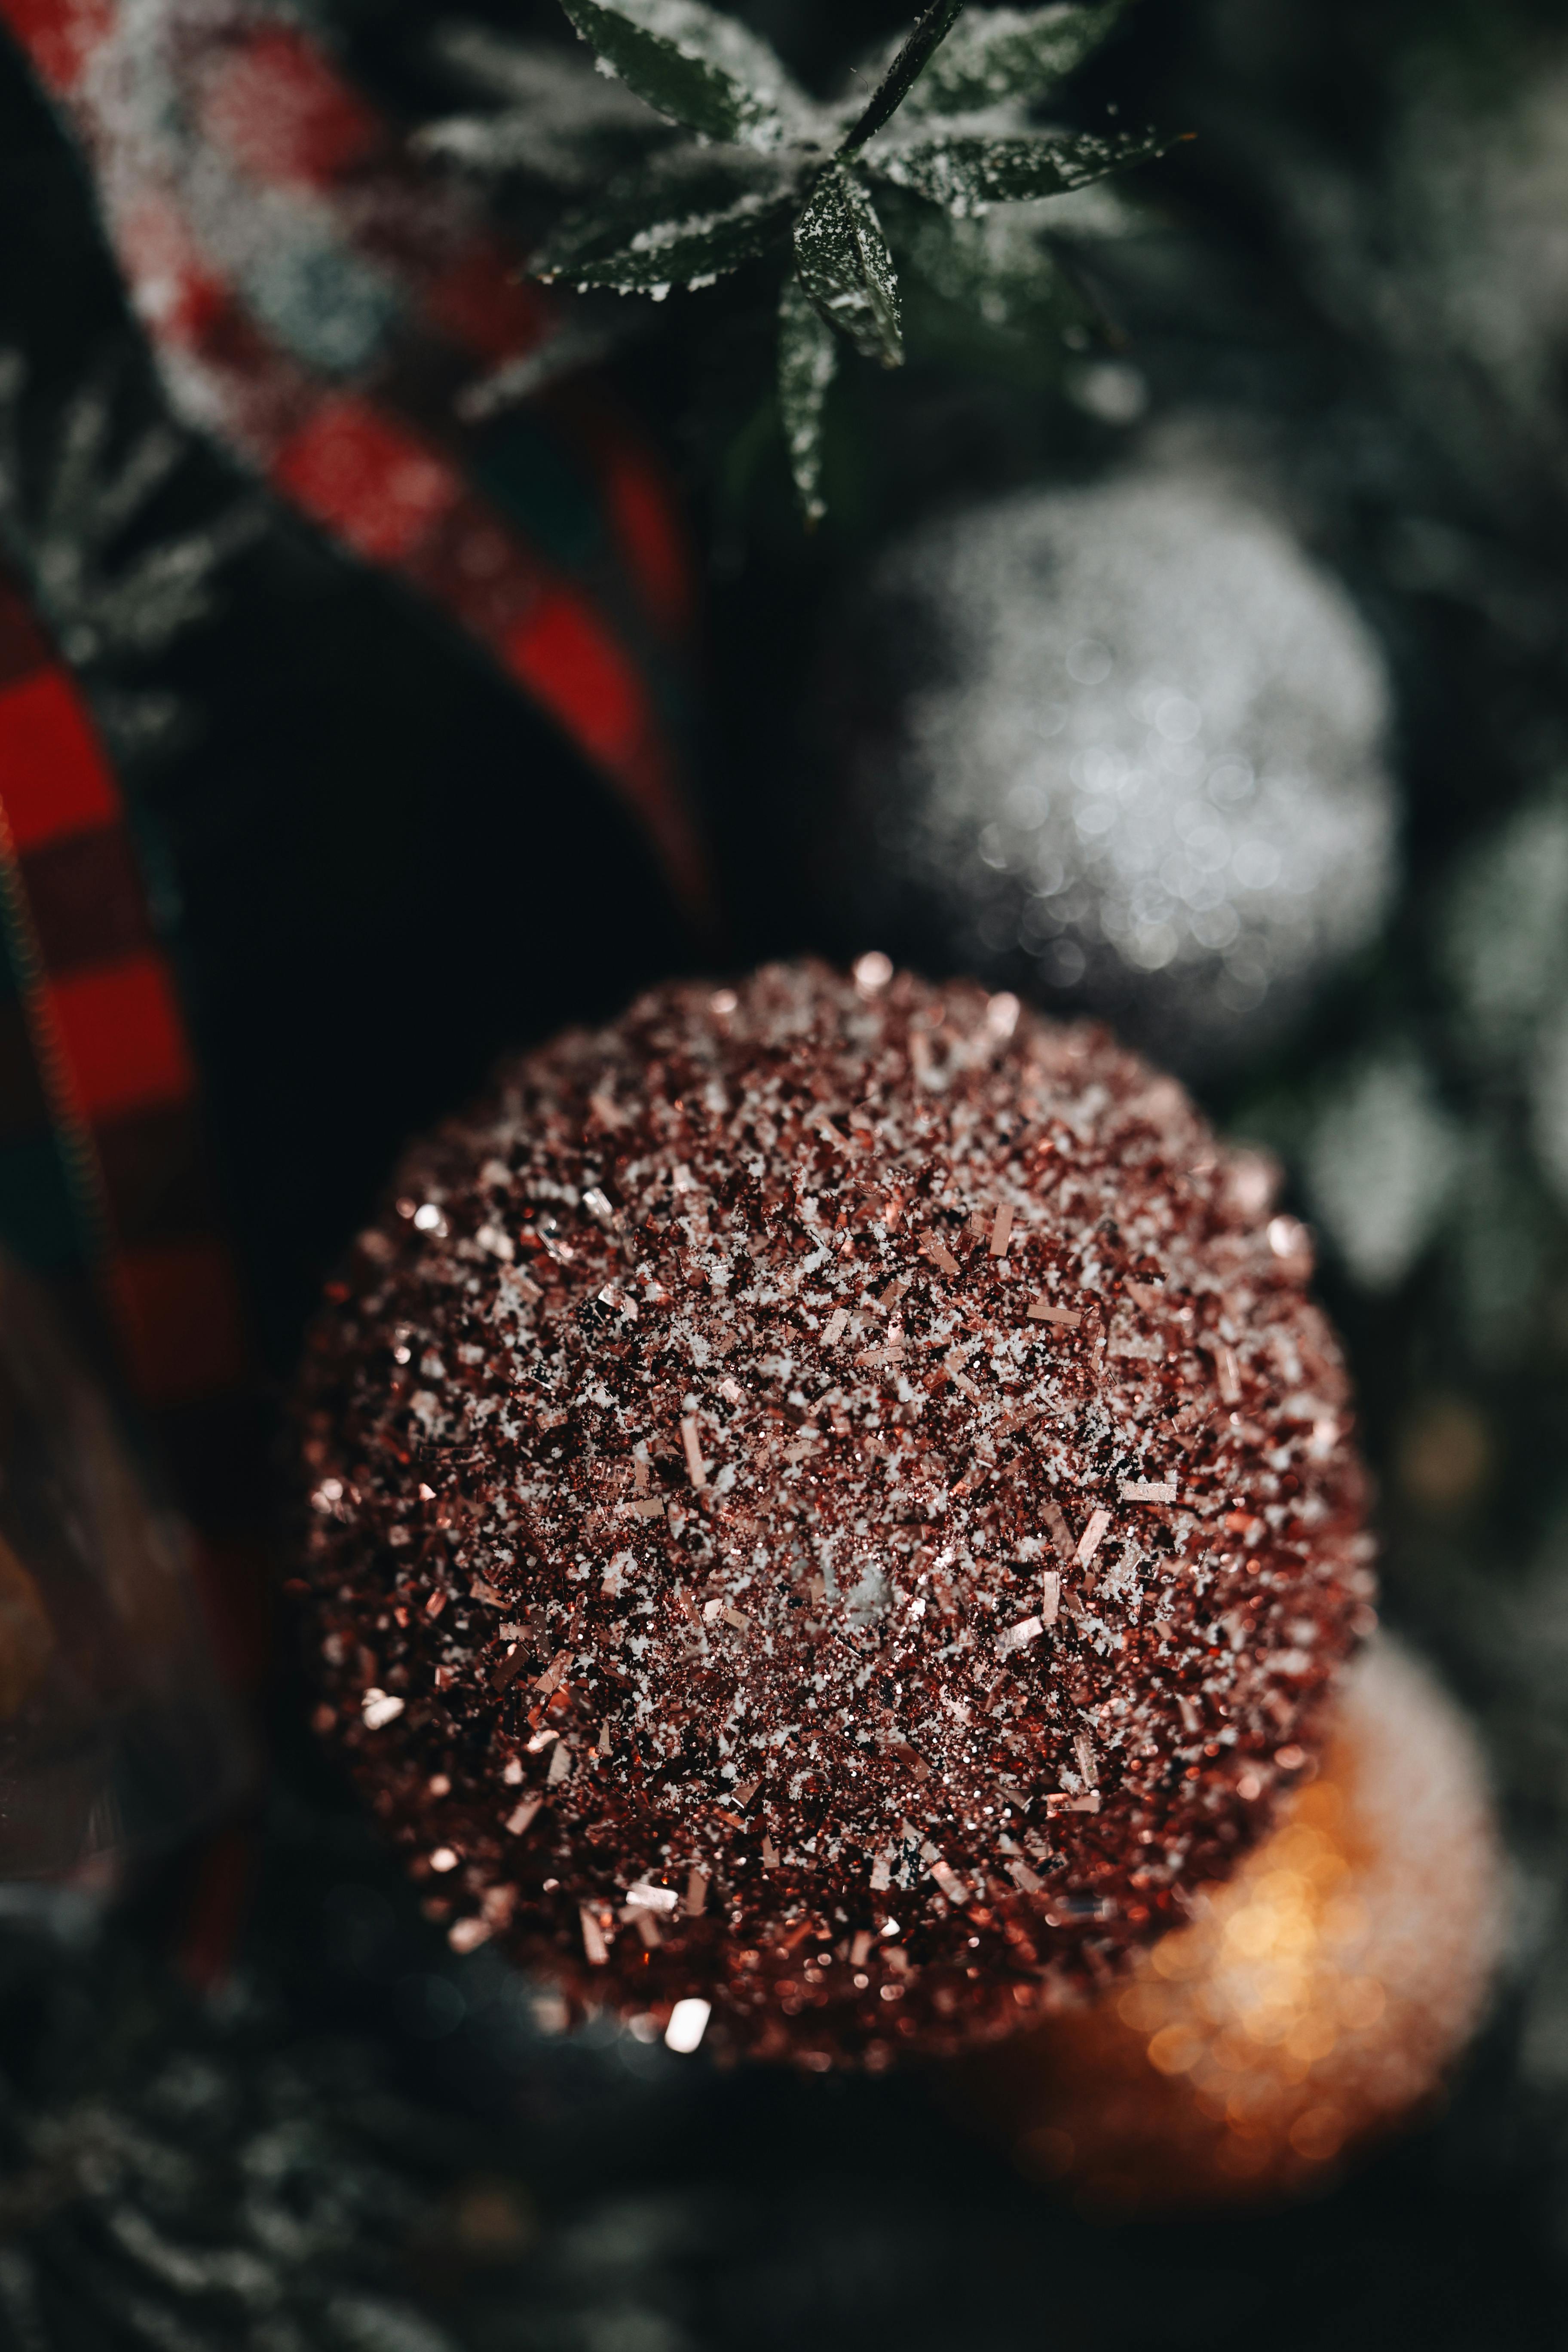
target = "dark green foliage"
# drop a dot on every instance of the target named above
(845, 268)
(908, 63)
(771, 171)
(693, 65)
(1009, 53)
(686, 217)
(965, 173)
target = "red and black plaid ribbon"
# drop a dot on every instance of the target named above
(322, 303)
(101, 1169)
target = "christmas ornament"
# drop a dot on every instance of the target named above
(115, 1732)
(1315, 2002)
(830, 1511)
(1121, 746)
(321, 305)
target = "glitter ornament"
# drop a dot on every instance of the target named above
(1314, 2003)
(1118, 746)
(828, 1500)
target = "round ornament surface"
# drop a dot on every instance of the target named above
(1118, 746)
(1314, 2003)
(830, 1507)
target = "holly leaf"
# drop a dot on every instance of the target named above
(999, 54)
(808, 362)
(930, 31)
(686, 218)
(845, 268)
(965, 171)
(695, 66)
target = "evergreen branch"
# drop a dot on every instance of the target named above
(765, 165)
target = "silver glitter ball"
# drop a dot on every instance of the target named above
(1120, 746)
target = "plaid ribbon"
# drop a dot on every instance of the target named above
(103, 1182)
(322, 303)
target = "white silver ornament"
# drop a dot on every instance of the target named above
(1121, 745)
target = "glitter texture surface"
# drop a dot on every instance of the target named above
(827, 1498)
(1120, 746)
(1315, 2000)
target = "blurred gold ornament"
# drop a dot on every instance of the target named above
(1313, 2004)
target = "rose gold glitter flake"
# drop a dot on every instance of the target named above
(645, 1897)
(1002, 1230)
(1042, 1311)
(696, 1467)
(1089, 1543)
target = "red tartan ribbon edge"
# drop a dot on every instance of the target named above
(107, 1034)
(358, 459)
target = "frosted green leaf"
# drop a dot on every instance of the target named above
(808, 362)
(986, 290)
(999, 54)
(966, 172)
(695, 66)
(845, 268)
(556, 119)
(690, 217)
(908, 63)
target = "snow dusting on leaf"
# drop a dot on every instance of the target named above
(808, 361)
(695, 66)
(845, 268)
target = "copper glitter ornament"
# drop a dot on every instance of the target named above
(1315, 2002)
(1121, 747)
(828, 1500)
